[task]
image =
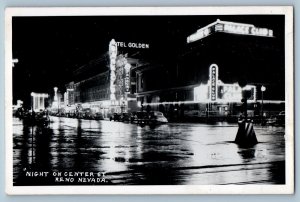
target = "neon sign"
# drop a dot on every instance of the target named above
(230, 92)
(132, 45)
(261, 31)
(229, 27)
(201, 33)
(213, 76)
(217, 91)
(127, 77)
(112, 56)
(236, 29)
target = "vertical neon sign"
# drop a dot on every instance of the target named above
(213, 77)
(127, 77)
(112, 56)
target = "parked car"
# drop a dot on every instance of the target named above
(125, 117)
(87, 113)
(36, 118)
(139, 117)
(158, 117)
(281, 118)
(132, 117)
(151, 118)
(277, 119)
(115, 117)
(272, 120)
(98, 116)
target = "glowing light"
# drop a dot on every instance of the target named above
(112, 77)
(236, 29)
(219, 27)
(231, 92)
(263, 88)
(112, 67)
(15, 61)
(38, 101)
(216, 91)
(201, 93)
(112, 90)
(55, 93)
(19, 102)
(261, 32)
(127, 76)
(127, 67)
(213, 78)
(112, 96)
(113, 55)
(201, 33)
(229, 27)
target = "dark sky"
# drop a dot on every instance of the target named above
(50, 48)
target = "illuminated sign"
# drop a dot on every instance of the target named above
(261, 31)
(132, 45)
(217, 91)
(201, 33)
(237, 29)
(231, 92)
(213, 77)
(122, 80)
(112, 56)
(229, 27)
(127, 77)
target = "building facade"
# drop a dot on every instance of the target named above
(220, 61)
(206, 79)
(105, 85)
(38, 101)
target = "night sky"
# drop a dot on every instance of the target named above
(49, 49)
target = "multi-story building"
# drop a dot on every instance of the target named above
(206, 78)
(243, 55)
(105, 84)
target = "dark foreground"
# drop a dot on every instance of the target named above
(89, 152)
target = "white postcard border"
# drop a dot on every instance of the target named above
(288, 188)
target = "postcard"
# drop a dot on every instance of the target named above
(149, 100)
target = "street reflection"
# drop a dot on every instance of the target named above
(43, 153)
(175, 153)
(247, 154)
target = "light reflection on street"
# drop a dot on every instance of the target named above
(175, 153)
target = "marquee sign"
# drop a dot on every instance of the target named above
(229, 27)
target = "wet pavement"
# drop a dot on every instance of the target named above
(123, 153)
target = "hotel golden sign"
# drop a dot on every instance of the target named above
(132, 45)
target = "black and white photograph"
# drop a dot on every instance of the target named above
(137, 100)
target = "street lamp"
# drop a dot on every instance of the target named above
(263, 89)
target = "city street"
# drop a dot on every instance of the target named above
(174, 153)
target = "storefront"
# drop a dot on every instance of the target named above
(212, 99)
